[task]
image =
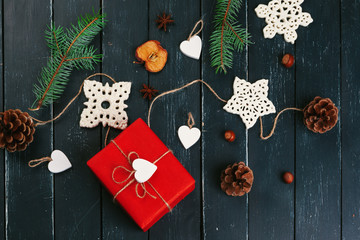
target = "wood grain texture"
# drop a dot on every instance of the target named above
(271, 201)
(77, 191)
(350, 74)
(323, 201)
(2, 152)
(224, 216)
(318, 163)
(119, 45)
(170, 112)
(29, 202)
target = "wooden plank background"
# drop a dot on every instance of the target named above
(322, 203)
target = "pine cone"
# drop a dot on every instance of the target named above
(320, 115)
(16, 130)
(237, 179)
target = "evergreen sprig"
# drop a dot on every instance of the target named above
(69, 50)
(228, 35)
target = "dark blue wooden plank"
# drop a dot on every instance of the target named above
(119, 44)
(29, 204)
(2, 152)
(170, 112)
(350, 74)
(77, 191)
(271, 202)
(225, 217)
(318, 164)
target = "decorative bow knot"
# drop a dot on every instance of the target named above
(132, 173)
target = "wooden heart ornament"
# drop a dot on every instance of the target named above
(192, 47)
(188, 136)
(143, 169)
(59, 162)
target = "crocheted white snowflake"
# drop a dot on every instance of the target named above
(250, 101)
(105, 104)
(283, 17)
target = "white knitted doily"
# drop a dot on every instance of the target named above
(250, 101)
(105, 104)
(283, 17)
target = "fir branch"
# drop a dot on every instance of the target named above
(69, 50)
(227, 35)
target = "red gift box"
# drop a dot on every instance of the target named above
(167, 186)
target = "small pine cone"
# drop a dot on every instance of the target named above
(320, 115)
(16, 130)
(237, 179)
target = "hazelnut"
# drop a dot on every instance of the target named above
(288, 60)
(288, 177)
(229, 136)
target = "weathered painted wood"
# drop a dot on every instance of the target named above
(271, 201)
(73, 205)
(28, 194)
(119, 44)
(171, 112)
(318, 163)
(2, 152)
(224, 216)
(350, 87)
(77, 191)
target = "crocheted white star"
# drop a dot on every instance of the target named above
(283, 17)
(250, 101)
(105, 104)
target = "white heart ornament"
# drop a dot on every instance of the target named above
(143, 169)
(59, 162)
(191, 48)
(188, 136)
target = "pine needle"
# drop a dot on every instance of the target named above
(69, 50)
(227, 36)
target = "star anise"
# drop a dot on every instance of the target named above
(148, 91)
(163, 20)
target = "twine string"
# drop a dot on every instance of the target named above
(181, 88)
(167, 205)
(131, 172)
(168, 151)
(196, 24)
(118, 167)
(106, 136)
(37, 162)
(40, 122)
(145, 191)
(275, 123)
(128, 184)
(191, 121)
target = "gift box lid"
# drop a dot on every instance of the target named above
(169, 184)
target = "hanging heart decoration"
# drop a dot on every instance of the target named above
(189, 135)
(59, 162)
(192, 46)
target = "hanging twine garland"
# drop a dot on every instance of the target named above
(320, 115)
(179, 89)
(40, 122)
(318, 105)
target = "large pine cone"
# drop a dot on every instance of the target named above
(16, 130)
(237, 179)
(320, 115)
